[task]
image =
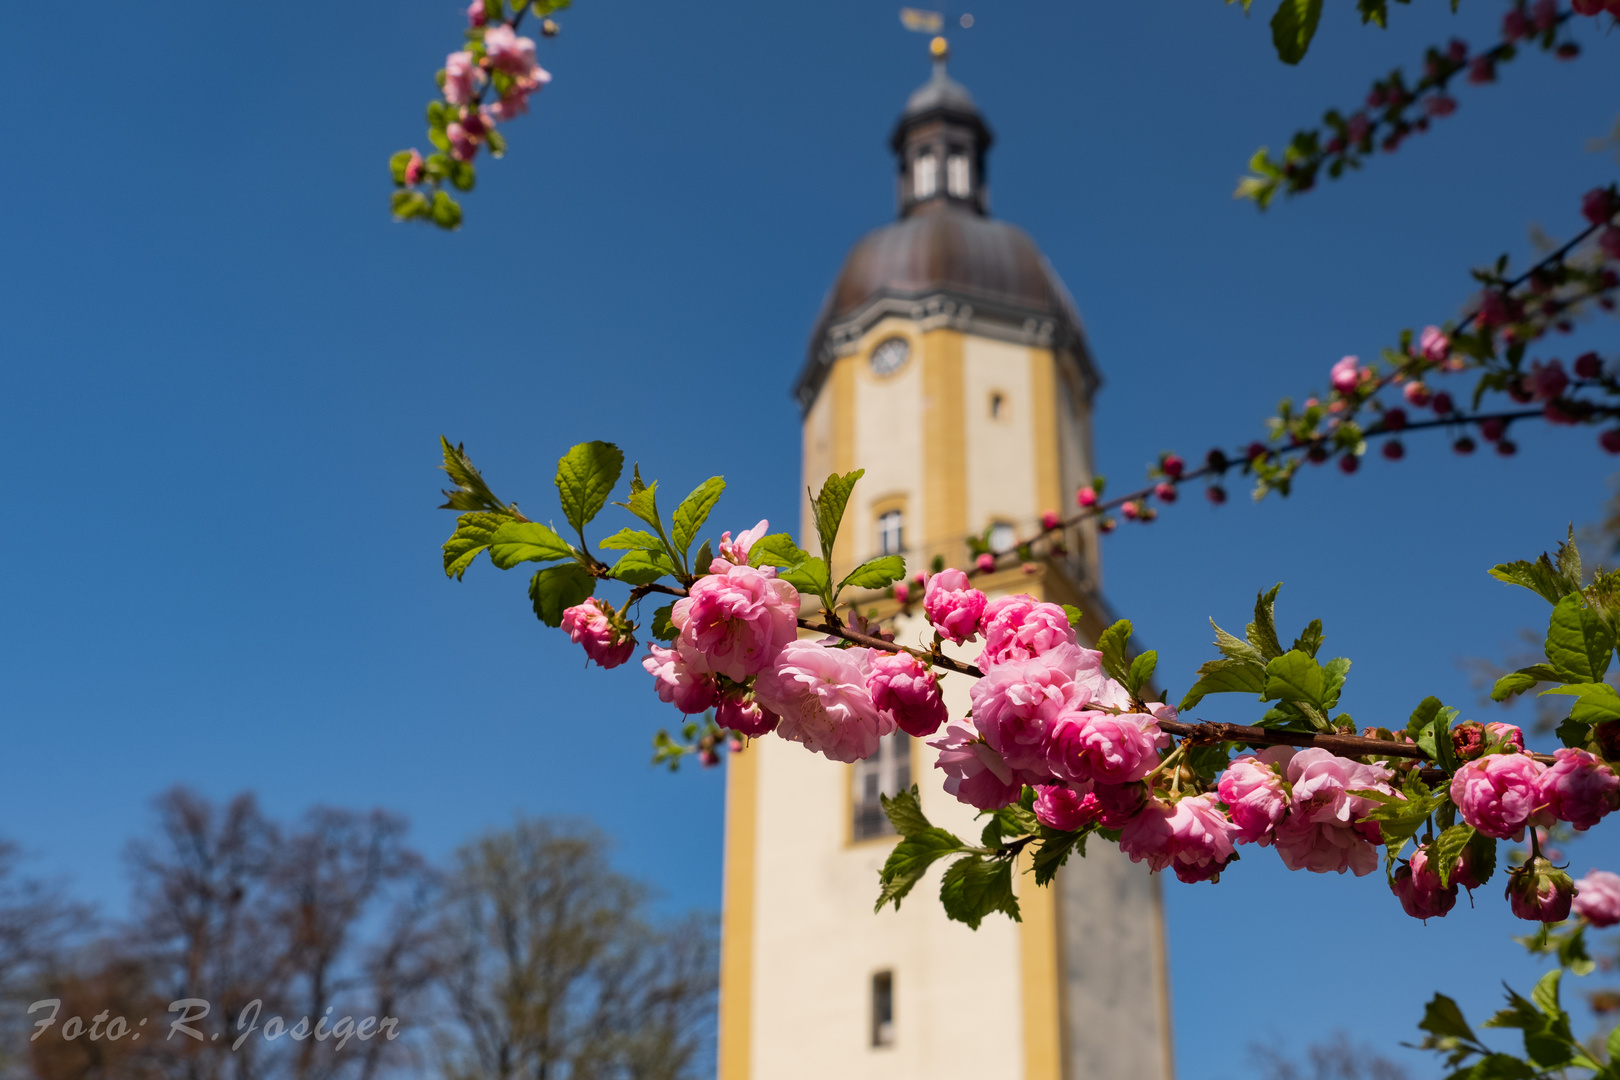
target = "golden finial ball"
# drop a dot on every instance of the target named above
(940, 48)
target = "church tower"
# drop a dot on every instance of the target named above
(950, 363)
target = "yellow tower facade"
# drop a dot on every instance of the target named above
(949, 363)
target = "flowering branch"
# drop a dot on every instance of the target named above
(1395, 111)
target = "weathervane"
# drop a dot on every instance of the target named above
(930, 22)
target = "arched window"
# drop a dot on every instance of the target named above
(956, 176)
(998, 405)
(924, 176)
(1003, 537)
(891, 533)
(886, 772)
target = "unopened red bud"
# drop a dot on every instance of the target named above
(1108, 524)
(1567, 50)
(1165, 493)
(1349, 463)
(1086, 498)
(1129, 510)
(1464, 445)
(1492, 428)
(1316, 454)
(1173, 467)
(1050, 520)
(1588, 365)
(1507, 447)
(1518, 391)
(1215, 494)
(1442, 403)
(1216, 460)
(985, 563)
(1394, 419)
(1256, 450)
(1393, 450)
(1417, 395)
(1610, 440)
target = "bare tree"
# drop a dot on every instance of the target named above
(39, 924)
(553, 971)
(1336, 1059)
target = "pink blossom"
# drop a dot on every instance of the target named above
(1020, 627)
(1050, 521)
(1086, 498)
(1016, 704)
(743, 714)
(1066, 809)
(1481, 70)
(461, 78)
(1515, 25)
(507, 51)
(985, 563)
(591, 625)
(1434, 345)
(1597, 898)
(1493, 308)
(1346, 375)
(1193, 836)
(1578, 788)
(413, 167)
(1357, 126)
(1323, 832)
(677, 684)
(1105, 747)
(1496, 794)
(820, 693)
(463, 146)
(1418, 888)
(974, 773)
(1548, 380)
(1253, 789)
(902, 593)
(1510, 734)
(735, 620)
(736, 551)
(1417, 395)
(1440, 105)
(908, 690)
(1540, 892)
(476, 15)
(952, 606)
(1545, 13)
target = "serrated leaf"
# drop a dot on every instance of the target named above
(643, 503)
(1112, 643)
(631, 540)
(1517, 682)
(585, 478)
(1545, 994)
(829, 508)
(1577, 640)
(909, 861)
(642, 567)
(1228, 676)
(1292, 28)
(662, 628)
(1054, 852)
(1310, 640)
(1234, 648)
(1597, 702)
(1074, 614)
(1262, 632)
(471, 492)
(904, 811)
(694, 511)
(557, 588)
(472, 535)
(1333, 676)
(1141, 672)
(1294, 676)
(777, 549)
(809, 576)
(1447, 849)
(876, 573)
(1442, 1017)
(1423, 716)
(526, 541)
(975, 887)
(1540, 577)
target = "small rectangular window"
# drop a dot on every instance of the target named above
(891, 533)
(886, 772)
(924, 176)
(956, 175)
(883, 1009)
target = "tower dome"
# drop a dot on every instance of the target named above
(945, 259)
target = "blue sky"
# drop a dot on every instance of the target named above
(226, 370)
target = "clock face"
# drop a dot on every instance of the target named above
(888, 356)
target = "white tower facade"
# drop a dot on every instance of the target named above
(948, 362)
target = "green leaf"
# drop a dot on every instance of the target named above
(526, 541)
(1539, 577)
(1293, 27)
(642, 567)
(1613, 1044)
(1054, 852)
(446, 211)
(1572, 952)
(975, 887)
(1482, 857)
(1442, 1017)
(1423, 716)
(631, 540)
(777, 549)
(1311, 640)
(585, 477)
(1597, 702)
(1577, 640)
(1141, 671)
(875, 573)
(1294, 676)
(1545, 994)
(1074, 614)
(643, 501)
(471, 492)
(1234, 649)
(463, 175)
(1263, 631)
(904, 811)
(809, 577)
(1333, 676)
(1226, 677)
(557, 588)
(909, 861)
(1497, 1067)
(1447, 849)
(472, 535)
(662, 628)
(829, 508)
(694, 511)
(1517, 682)
(1112, 643)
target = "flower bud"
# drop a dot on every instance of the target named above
(1588, 366)
(743, 714)
(985, 563)
(1468, 739)
(1540, 892)
(905, 688)
(1086, 498)
(1216, 494)
(1050, 520)
(1393, 450)
(1418, 889)
(1349, 463)
(1417, 395)
(1173, 466)
(1165, 493)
